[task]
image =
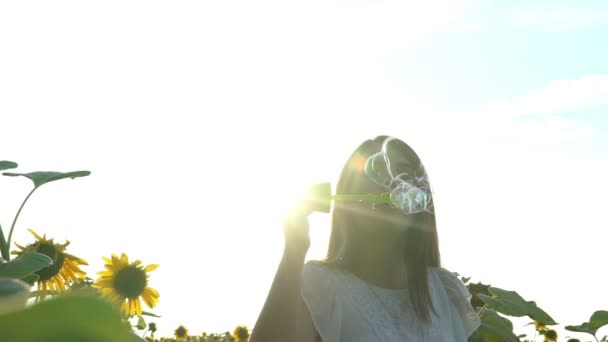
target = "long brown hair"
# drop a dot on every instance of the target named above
(421, 247)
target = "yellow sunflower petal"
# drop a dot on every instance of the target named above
(125, 308)
(36, 235)
(75, 260)
(72, 266)
(151, 267)
(150, 297)
(148, 291)
(116, 262)
(137, 306)
(132, 307)
(59, 284)
(68, 273)
(105, 282)
(106, 274)
(50, 285)
(124, 259)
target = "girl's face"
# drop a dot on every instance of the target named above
(378, 216)
(381, 218)
(394, 166)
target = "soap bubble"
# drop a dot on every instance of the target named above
(408, 187)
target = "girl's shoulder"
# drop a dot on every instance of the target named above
(319, 291)
(318, 264)
(318, 272)
(453, 285)
(459, 298)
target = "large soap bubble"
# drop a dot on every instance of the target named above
(407, 186)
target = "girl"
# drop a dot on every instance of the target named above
(381, 280)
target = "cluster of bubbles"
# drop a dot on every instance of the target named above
(407, 187)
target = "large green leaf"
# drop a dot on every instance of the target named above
(25, 265)
(494, 328)
(42, 177)
(5, 165)
(476, 289)
(12, 286)
(68, 318)
(512, 304)
(597, 320)
(31, 278)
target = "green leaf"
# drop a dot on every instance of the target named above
(145, 313)
(25, 265)
(31, 278)
(10, 286)
(67, 318)
(42, 177)
(141, 323)
(5, 165)
(512, 304)
(477, 289)
(597, 320)
(494, 328)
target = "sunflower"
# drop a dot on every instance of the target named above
(540, 326)
(181, 333)
(124, 283)
(550, 335)
(241, 333)
(64, 270)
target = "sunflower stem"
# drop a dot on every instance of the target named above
(10, 234)
(3, 246)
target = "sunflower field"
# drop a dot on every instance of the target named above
(45, 296)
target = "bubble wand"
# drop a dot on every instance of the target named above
(408, 191)
(408, 198)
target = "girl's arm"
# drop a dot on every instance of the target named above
(284, 317)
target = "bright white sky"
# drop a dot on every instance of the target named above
(200, 120)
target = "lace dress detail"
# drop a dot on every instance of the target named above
(389, 312)
(372, 314)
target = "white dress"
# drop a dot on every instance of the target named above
(344, 308)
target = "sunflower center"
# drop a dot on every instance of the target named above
(130, 282)
(58, 260)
